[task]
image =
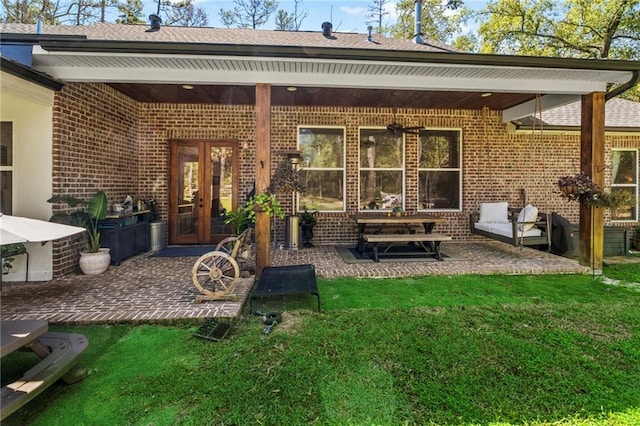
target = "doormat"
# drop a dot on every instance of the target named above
(395, 254)
(183, 251)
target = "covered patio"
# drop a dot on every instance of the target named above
(147, 289)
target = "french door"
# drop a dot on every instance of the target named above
(203, 185)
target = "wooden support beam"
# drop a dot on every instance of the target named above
(592, 164)
(263, 173)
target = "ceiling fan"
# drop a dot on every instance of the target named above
(396, 128)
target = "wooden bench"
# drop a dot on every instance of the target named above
(433, 241)
(58, 353)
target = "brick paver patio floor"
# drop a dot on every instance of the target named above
(146, 289)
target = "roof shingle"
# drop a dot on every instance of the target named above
(239, 36)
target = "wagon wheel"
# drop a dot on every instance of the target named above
(227, 244)
(242, 253)
(216, 273)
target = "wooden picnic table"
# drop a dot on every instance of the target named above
(384, 220)
(57, 352)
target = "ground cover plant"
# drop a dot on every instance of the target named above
(550, 349)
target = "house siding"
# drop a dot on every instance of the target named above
(104, 140)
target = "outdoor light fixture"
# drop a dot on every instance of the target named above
(486, 95)
(187, 87)
(292, 89)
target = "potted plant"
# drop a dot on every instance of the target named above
(7, 253)
(238, 219)
(264, 202)
(307, 222)
(94, 260)
(635, 240)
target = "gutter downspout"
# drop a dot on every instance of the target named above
(417, 36)
(635, 78)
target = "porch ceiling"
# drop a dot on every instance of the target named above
(321, 96)
(227, 74)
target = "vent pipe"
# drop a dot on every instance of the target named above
(326, 29)
(417, 36)
(154, 23)
(369, 29)
(39, 25)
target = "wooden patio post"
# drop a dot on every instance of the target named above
(263, 173)
(592, 164)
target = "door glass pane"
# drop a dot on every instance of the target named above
(6, 167)
(221, 188)
(188, 191)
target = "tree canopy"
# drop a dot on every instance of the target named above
(248, 13)
(439, 21)
(580, 28)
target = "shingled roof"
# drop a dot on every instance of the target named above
(619, 114)
(238, 36)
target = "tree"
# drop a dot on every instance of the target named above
(439, 21)
(598, 29)
(284, 21)
(130, 12)
(298, 15)
(20, 11)
(581, 28)
(185, 13)
(248, 13)
(376, 12)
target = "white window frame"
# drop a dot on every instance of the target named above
(343, 168)
(635, 185)
(401, 169)
(458, 169)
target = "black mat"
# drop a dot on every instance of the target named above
(395, 254)
(183, 251)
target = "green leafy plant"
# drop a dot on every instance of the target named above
(307, 217)
(87, 215)
(264, 202)
(238, 219)
(7, 252)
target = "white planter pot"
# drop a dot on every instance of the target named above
(95, 263)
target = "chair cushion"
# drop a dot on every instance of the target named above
(528, 214)
(494, 212)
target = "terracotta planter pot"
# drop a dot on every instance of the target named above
(95, 263)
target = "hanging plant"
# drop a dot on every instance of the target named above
(581, 188)
(577, 188)
(264, 202)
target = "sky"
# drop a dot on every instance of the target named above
(345, 15)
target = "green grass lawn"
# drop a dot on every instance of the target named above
(464, 350)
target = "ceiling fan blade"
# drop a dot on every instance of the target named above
(414, 128)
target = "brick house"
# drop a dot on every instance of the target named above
(162, 114)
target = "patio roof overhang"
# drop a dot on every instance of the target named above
(131, 66)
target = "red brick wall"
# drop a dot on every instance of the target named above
(105, 140)
(95, 146)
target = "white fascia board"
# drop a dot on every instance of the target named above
(526, 109)
(62, 66)
(179, 76)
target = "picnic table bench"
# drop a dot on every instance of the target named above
(57, 352)
(433, 242)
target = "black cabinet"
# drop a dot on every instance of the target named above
(125, 235)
